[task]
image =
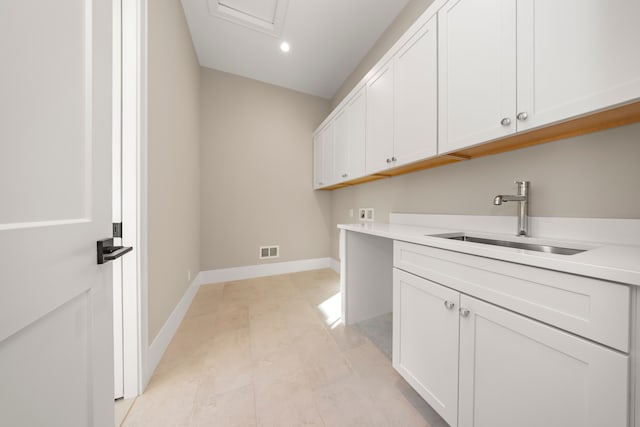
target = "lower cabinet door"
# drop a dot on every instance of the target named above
(515, 371)
(425, 340)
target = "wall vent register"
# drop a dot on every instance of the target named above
(267, 252)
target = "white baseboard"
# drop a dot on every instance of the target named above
(334, 265)
(261, 270)
(164, 337)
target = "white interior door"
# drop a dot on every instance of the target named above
(56, 364)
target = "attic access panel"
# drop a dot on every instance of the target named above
(266, 16)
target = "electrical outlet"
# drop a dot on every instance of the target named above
(350, 213)
(369, 214)
(365, 214)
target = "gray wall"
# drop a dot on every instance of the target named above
(173, 160)
(594, 175)
(256, 162)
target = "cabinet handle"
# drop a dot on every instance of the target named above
(505, 122)
(522, 116)
(464, 312)
(449, 305)
(393, 159)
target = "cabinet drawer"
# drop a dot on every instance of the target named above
(594, 309)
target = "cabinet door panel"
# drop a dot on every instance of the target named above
(357, 135)
(318, 164)
(425, 340)
(416, 97)
(341, 143)
(515, 371)
(379, 120)
(576, 56)
(328, 173)
(477, 71)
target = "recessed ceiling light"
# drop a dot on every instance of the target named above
(284, 46)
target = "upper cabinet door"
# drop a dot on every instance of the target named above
(477, 71)
(323, 162)
(576, 56)
(357, 134)
(341, 141)
(318, 162)
(380, 120)
(416, 97)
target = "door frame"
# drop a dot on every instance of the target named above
(134, 194)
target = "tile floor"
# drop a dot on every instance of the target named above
(272, 352)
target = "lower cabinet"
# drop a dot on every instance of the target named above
(480, 365)
(425, 340)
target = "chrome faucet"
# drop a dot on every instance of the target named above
(523, 206)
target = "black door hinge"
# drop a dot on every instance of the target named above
(117, 229)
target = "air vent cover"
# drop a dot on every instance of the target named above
(267, 252)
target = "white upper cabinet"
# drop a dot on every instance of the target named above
(477, 71)
(576, 56)
(416, 97)
(380, 120)
(514, 65)
(323, 167)
(402, 103)
(349, 139)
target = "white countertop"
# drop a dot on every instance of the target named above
(608, 261)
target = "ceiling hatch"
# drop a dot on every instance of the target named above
(266, 16)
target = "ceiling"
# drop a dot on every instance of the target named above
(328, 38)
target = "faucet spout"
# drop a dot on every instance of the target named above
(501, 198)
(523, 206)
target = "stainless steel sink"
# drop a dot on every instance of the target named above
(511, 244)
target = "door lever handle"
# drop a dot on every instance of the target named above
(108, 252)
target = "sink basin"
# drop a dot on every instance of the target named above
(550, 249)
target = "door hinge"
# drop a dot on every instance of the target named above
(117, 229)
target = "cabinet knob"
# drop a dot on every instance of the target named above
(522, 116)
(505, 122)
(344, 175)
(449, 305)
(393, 159)
(388, 160)
(464, 312)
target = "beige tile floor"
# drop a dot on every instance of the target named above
(272, 352)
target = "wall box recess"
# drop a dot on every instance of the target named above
(267, 252)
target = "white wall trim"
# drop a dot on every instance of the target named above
(164, 337)
(261, 270)
(334, 265)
